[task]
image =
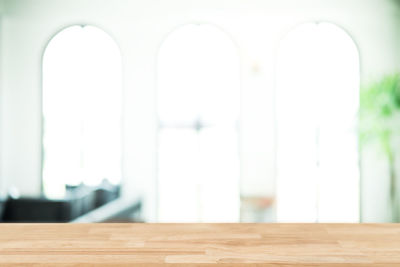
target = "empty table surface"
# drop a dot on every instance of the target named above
(200, 244)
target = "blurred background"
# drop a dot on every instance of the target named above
(199, 111)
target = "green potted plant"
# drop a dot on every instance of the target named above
(380, 122)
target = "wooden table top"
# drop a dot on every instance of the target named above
(207, 244)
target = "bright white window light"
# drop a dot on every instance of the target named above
(81, 109)
(198, 104)
(317, 102)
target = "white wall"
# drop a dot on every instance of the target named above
(139, 28)
(2, 187)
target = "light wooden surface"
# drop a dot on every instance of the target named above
(207, 244)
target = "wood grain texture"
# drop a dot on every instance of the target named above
(200, 244)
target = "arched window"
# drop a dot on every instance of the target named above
(317, 101)
(81, 109)
(198, 105)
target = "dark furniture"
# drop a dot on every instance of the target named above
(79, 201)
